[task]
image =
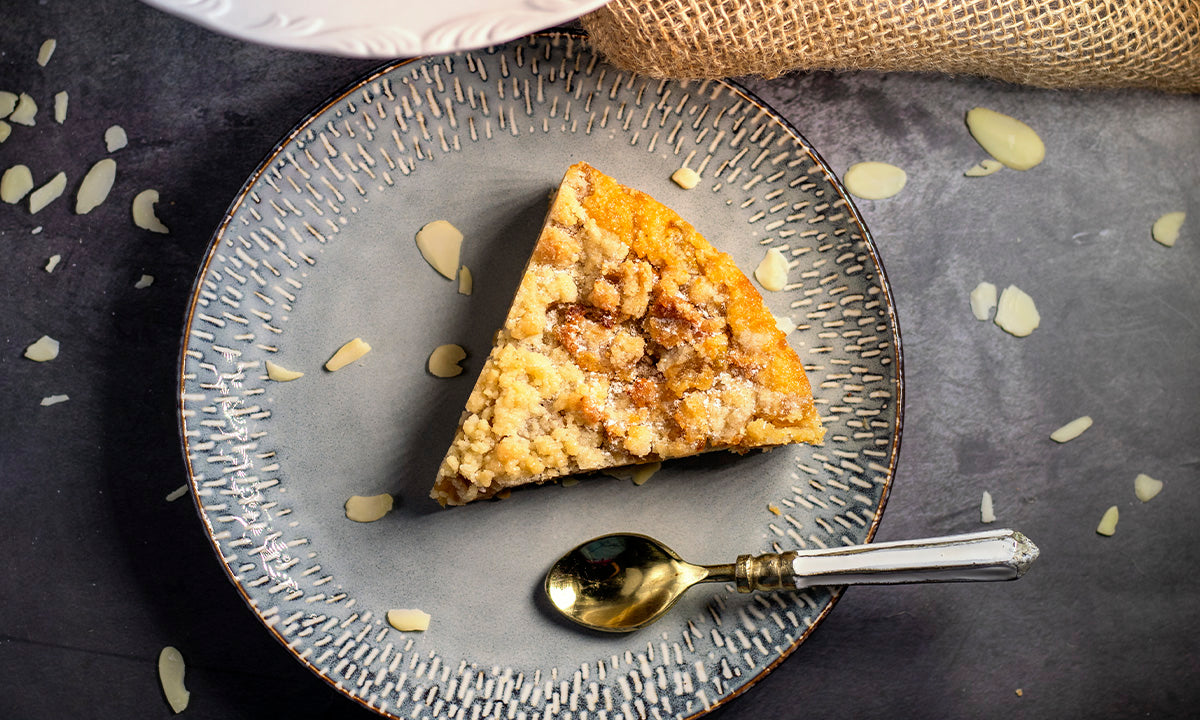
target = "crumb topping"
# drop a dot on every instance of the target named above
(630, 340)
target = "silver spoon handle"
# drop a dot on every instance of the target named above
(981, 556)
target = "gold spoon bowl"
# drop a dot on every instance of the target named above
(622, 582)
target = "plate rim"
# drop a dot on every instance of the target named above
(363, 80)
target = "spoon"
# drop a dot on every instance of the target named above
(622, 582)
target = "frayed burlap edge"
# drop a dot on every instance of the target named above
(1045, 43)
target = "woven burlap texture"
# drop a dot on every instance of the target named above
(1047, 43)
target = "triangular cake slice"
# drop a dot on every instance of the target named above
(630, 340)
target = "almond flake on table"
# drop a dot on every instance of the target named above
(60, 106)
(1108, 523)
(115, 138)
(1071, 430)
(46, 51)
(143, 212)
(44, 349)
(47, 193)
(25, 112)
(1146, 487)
(8, 103)
(54, 400)
(15, 184)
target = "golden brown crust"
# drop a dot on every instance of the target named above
(630, 339)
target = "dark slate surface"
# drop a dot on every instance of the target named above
(99, 572)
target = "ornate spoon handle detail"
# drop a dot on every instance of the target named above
(982, 556)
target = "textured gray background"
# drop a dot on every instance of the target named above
(99, 572)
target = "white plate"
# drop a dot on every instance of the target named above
(378, 28)
(318, 249)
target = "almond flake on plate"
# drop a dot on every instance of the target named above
(444, 360)
(346, 354)
(685, 178)
(408, 620)
(368, 508)
(278, 373)
(440, 244)
(772, 271)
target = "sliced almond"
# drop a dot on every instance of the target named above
(115, 138)
(5, 131)
(685, 178)
(983, 300)
(1005, 138)
(368, 508)
(874, 180)
(983, 168)
(60, 107)
(143, 212)
(176, 493)
(466, 284)
(346, 354)
(44, 350)
(1071, 430)
(642, 473)
(53, 263)
(987, 513)
(408, 620)
(54, 400)
(784, 324)
(1146, 487)
(47, 193)
(15, 184)
(46, 51)
(1016, 313)
(95, 186)
(26, 111)
(143, 282)
(444, 360)
(1166, 228)
(440, 244)
(8, 103)
(772, 271)
(1108, 523)
(170, 674)
(278, 373)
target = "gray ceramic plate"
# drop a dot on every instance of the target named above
(319, 248)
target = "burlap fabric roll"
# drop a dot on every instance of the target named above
(1048, 43)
